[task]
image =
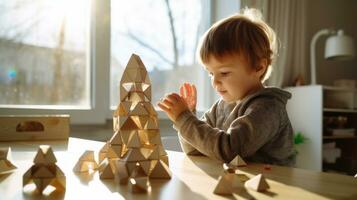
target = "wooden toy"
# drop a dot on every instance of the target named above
(34, 127)
(238, 162)
(257, 183)
(86, 162)
(5, 160)
(136, 142)
(45, 172)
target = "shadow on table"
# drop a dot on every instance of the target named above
(215, 169)
(172, 188)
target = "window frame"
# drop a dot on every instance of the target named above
(99, 63)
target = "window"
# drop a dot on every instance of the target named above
(43, 53)
(164, 34)
(61, 56)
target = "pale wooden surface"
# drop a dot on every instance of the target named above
(193, 178)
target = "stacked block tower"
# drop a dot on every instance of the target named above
(136, 143)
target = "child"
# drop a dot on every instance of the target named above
(249, 120)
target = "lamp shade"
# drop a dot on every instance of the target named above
(339, 47)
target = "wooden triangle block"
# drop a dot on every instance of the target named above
(147, 93)
(151, 124)
(124, 108)
(126, 123)
(155, 154)
(42, 183)
(160, 170)
(125, 135)
(87, 156)
(105, 170)
(154, 137)
(123, 93)
(135, 62)
(238, 162)
(121, 174)
(134, 141)
(165, 159)
(150, 109)
(224, 185)
(139, 109)
(43, 172)
(125, 78)
(140, 184)
(134, 154)
(138, 171)
(136, 96)
(103, 152)
(86, 162)
(116, 139)
(146, 165)
(44, 155)
(257, 183)
(5, 160)
(114, 151)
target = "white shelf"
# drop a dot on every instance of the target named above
(342, 110)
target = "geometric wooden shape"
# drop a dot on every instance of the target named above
(238, 162)
(140, 184)
(257, 183)
(114, 151)
(134, 141)
(116, 139)
(105, 170)
(44, 155)
(134, 155)
(86, 162)
(103, 152)
(160, 170)
(5, 163)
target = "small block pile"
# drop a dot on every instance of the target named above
(45, 172)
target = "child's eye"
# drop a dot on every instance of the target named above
(225, 73)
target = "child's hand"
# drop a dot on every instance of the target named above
(189, 93)
(173, 105)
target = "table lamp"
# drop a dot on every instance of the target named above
(338, 47)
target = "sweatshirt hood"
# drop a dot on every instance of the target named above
(270, 92)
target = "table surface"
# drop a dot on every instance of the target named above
(193, 177)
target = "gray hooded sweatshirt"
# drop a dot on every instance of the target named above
(257, 128)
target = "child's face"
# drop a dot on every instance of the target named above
(232, 77)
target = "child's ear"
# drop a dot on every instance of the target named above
(262, 67)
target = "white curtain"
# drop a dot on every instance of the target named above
(288, 19)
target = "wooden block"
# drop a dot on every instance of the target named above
(103, 152)
(5, 161)
(114, 151)
(127, 123)
(146, 165)
(257, 183)
(86, 162)
(155, 154)
(139, 109)
(45, 172)
(121, 174)
(165, 159)
(44, 155)
(34, 127)
(238, 162)
(134, 155)
(105, 170)
(151, 123)
(140, 184)
(224, 185)
(134, 141)
(138, 171)
(160, 170)
(116, 139)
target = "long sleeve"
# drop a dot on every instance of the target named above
(244, 136)
(207, 117)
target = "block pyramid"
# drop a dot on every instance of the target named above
(229, 182)
(238, 162)
(5, 160)
(257, 183)
(45, 172)
(136, 141)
